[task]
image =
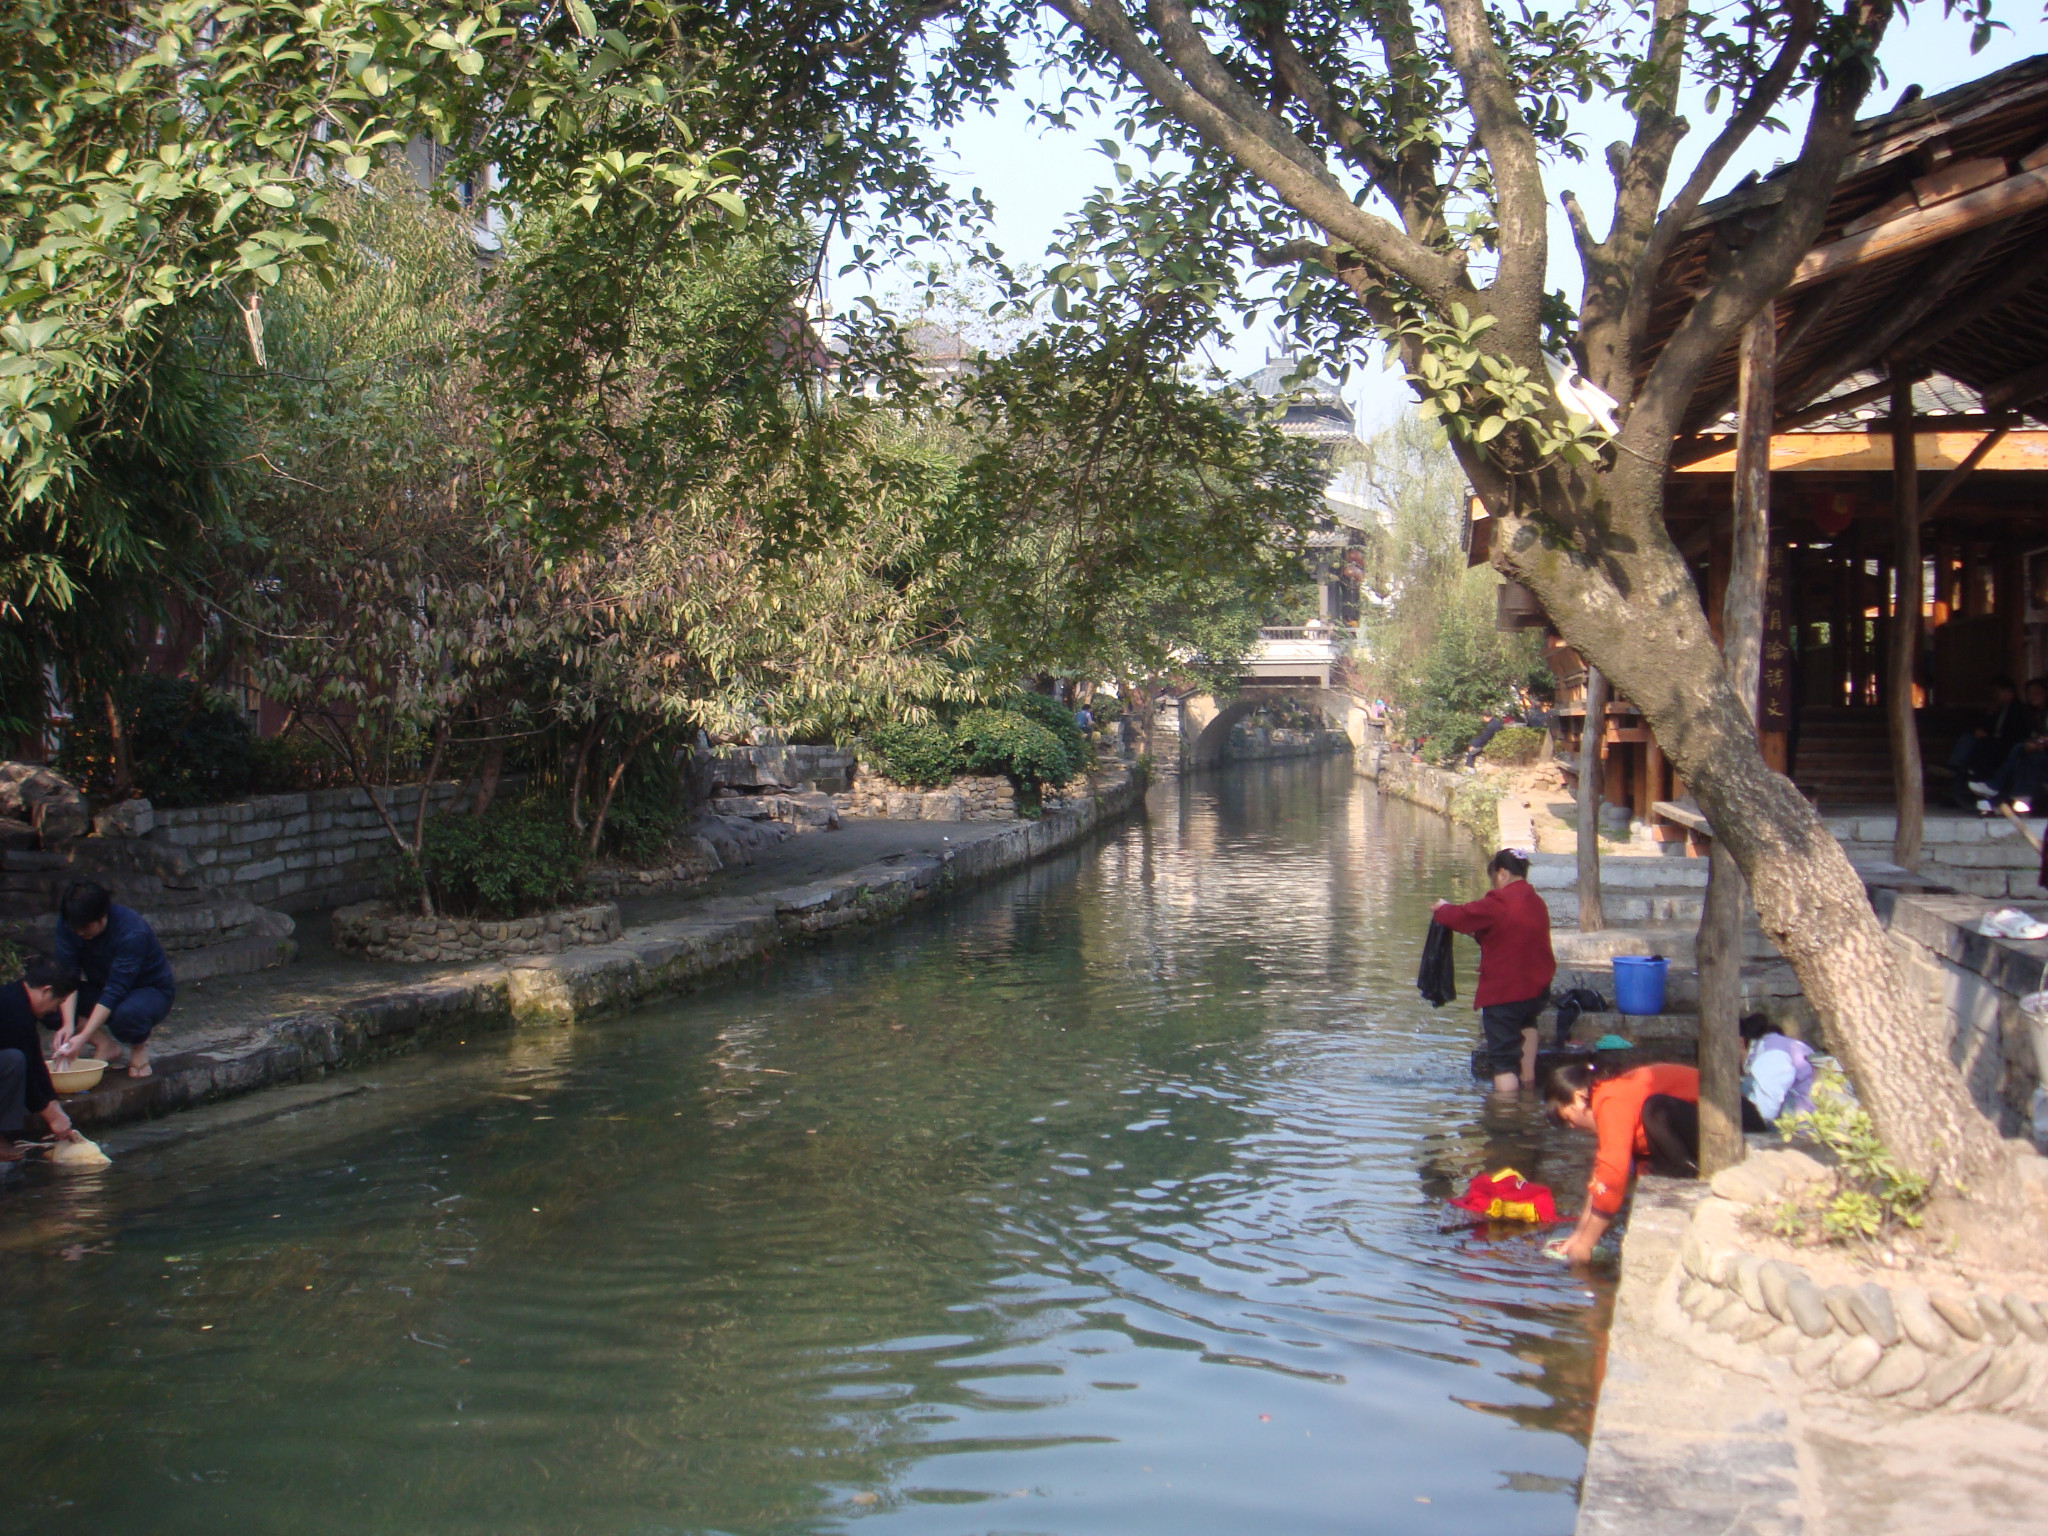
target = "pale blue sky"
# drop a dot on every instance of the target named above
(1036, 178)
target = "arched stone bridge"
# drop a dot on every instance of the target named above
(1193, 733)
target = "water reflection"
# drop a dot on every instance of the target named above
(1110, 1202)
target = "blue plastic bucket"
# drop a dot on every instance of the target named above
(1639, 983)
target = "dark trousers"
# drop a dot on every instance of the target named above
(139, 1012)
(13, 1085)
(1672, 1128)
(1500, 1028)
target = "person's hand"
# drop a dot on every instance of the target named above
(67, 1046)
(60, 1124)
(1577, 1249)
(1439, 902)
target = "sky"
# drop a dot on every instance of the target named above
(1037, 177)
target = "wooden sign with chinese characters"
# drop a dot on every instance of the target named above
(1774, 682)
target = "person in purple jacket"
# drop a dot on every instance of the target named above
(126, 986)
(1777, 1075)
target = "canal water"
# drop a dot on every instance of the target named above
(1108, 1201)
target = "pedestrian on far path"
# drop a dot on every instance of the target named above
(25, 1087)
(1516, 966)
(126, 984)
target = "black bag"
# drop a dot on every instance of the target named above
(1575, 1002)
(1435, 980)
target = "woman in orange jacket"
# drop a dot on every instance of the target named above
(1652, 1113)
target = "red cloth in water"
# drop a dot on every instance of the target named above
(1507, 1196)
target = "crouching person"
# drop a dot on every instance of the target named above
(25, 1089)
(1650, 1113)
(125, 983)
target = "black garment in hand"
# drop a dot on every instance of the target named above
(1434, 980)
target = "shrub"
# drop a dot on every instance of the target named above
(1004, 741)
(1871, 1195)
(648, 809)
(279, 764)
(509, 862)
(1060, 720)
(912, 754)
(186, 744)
(1514, 746)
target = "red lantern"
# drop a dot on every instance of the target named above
(1831, 514)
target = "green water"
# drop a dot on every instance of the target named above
(1109, 1201)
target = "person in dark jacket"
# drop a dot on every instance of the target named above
(1980, 753)
(1516, 966)
(125, 987)
(25, 1087)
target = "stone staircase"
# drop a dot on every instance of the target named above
(1977, 855)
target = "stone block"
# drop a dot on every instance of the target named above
(1902, 1369)
(1920, 1322)
(1959, 1315)
(259, 871)
(1854, 1361)
(1949, 1379)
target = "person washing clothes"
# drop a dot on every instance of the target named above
(126, 984)
(25, 1087)
(1516, 966)
(1777, 1075)
(1651, 1113)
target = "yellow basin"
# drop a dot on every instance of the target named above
(75, 1076)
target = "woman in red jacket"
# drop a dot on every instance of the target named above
(1512, 926)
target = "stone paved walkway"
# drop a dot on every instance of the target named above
(1685, 1447)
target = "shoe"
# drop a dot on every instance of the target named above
(2023, 807)
(1986, 808)
(1982, 790)
(2011, 923)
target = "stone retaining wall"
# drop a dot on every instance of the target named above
(1463, 798)
(694, 862)
(1915, 1348)
(378, 931)
(978, 797)
(297, 852)
(639, 966)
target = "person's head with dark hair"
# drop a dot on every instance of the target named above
(84, 908)
(1508, 864)
(2003, 689)
(1754, 1026)
(1568, 1094)
(47, 984)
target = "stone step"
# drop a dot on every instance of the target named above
(1677, 908)
(1589, 1027)
(237, 957)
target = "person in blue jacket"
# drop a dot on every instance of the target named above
(125, 987)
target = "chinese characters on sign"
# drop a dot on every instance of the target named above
(1774, 685)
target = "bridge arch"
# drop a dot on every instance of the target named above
(1206, 721)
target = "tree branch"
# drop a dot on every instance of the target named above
(1268, 149)
(1521, 205)
(1762, 269)
(1770, 90)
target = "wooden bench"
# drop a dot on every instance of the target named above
(1697, 831)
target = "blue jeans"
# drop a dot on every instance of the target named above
(133, 1017)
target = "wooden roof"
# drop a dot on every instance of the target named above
(1934, 257)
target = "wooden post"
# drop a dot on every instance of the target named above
(1592, 919)
(1719, 949)
(1908, 781)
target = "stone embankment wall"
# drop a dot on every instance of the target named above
(378, 931)
(297, 852)
(1915, 1347)
(1464, 798)
(639, 966)
(975, 798)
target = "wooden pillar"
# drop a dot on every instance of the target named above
(1592, 919)
(1719, 950)
(1908, 782)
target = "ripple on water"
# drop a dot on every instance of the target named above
(1110, 1201)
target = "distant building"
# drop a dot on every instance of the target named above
(1314, 411)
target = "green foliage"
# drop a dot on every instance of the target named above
(186, 744)
(511, 861)
(648, 809)
(1871, 1193)
(281, 764)
(912, 752)
(1469, 668)
(1514, 746)
(1004, 741)
(1061, 721)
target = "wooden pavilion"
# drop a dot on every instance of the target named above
(1898, 526)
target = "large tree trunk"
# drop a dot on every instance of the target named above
(1598, 554)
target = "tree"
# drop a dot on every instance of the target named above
(1395, 161)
